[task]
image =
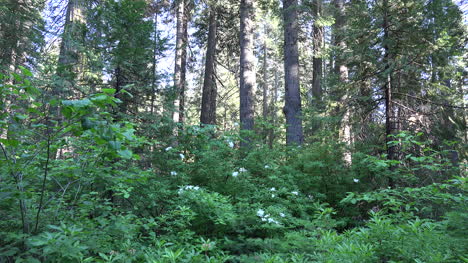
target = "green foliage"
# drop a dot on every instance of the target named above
(204, 200)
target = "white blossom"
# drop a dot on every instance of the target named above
(188, 187)
(266, 217)
(272, 189)
(235, 174)
(236, 124)
(295, 192)
(182, 156)
(173, 173)
(356, 180)
(273, 195)
(271, 220)
(168, 149)
(231, 144)
(267, 166)
(282, 214)
(260, 212)
(242, 170)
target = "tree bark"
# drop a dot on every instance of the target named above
(292, 108)
(341, 69)
(273, 109)
(265, 105)
(183, 73)
(318, 37)
(69, 57)
(180, 67)
(209, 93)
(390, 118)
(265, 81)
(247, 70)
(154, 69)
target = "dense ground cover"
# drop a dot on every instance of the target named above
(93, 189)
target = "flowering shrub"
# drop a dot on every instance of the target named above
(203, 200)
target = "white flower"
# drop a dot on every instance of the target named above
(264, 219)
(267, 166)
(273, 195)
(242, 170)
(173, 173)
(282, 214)
(295, 192)
(168, 148)
(236, 124)
(271, 220)
(231, 144)
(188, 187)
(272, 189)
(356, 180)
(235, 174)
(181, 156)
(260, 212)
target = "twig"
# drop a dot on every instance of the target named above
(46, 171)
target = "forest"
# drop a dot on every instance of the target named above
(233, 131)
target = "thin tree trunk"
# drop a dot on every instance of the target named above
(247, 70)
(209, 93)
(273, 109)
(390, 118)
(183, 73)
(265, 81)
(155, 62)
(317, 35)
(265, 106)
(180, 62)
(292, 108)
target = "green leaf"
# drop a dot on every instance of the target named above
(129, 134)
(77, 103)
(115, 145)
(21, 116)
(87, 124)
(100, 98)
(109, 91)
(10, 142)
(126, 154)
(26, 71)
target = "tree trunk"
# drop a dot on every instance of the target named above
(154, 69)
(318, 36)
(209, 93)
(292, 108)
(69, 57)
(273, 109)
(183, 72)
(265, 109)
(265, 81)
(180, 61)
(390, 118)
(341, 69)
(247, 70)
